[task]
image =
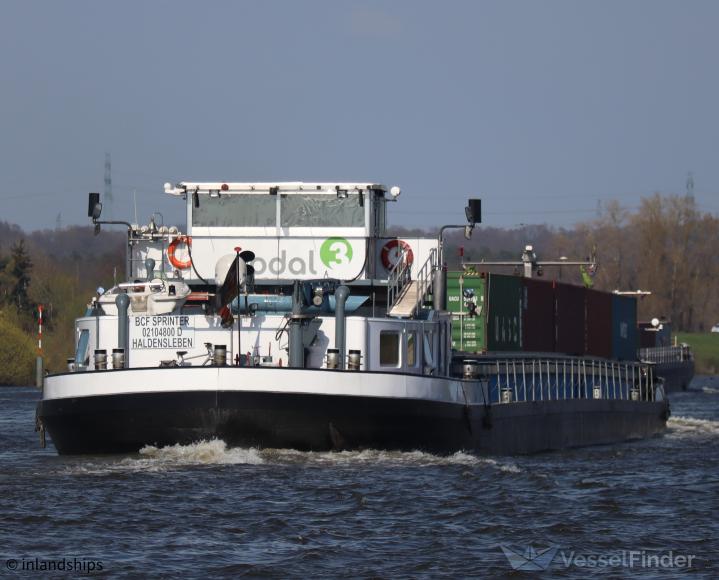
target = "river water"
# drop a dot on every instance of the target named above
(645, 509)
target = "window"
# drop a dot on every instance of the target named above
(321, 210)
(81, 356)
(379, 215)
(236, 210)
(389, 348)
(411, 349)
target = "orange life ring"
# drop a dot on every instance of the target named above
(392, 245)
(182, 265)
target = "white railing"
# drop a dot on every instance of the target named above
(522, 380)
(666, 354)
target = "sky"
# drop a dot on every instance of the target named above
(544, 109)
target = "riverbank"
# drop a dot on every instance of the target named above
(705, 346)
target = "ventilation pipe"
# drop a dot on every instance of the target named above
(341, 294)
(122, 302)
(439, 288)
(296, 346)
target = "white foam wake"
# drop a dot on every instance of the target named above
(692, 426)
(213, 452)
(378, 457)
(216, 452)
(154, 459)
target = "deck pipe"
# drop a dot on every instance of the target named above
(123, 321)
(296, 343)
(439, 289)
(341, 294)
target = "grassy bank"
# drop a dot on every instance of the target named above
(706, 350)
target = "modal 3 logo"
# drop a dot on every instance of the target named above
(529, 558)
(333, 252)
(336, 251)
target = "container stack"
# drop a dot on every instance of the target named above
(498, 313)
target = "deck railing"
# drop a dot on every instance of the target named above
(666, 354)
(521, 380)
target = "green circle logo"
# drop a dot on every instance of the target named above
(336, 251)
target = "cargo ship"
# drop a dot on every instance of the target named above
(672, 361)
(285, 316)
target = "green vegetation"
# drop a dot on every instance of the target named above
(17, 355)
(706, 350)
(59, 269)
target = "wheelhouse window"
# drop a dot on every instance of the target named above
(389, 342)
(82, 358)
(236, 210)
(322, 210)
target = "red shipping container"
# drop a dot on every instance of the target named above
(598, 335)
(569, 319)
(538, 315)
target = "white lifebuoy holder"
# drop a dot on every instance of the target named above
(392, 250)
(172, 248)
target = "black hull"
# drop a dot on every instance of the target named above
(676, 375)
(126, 423)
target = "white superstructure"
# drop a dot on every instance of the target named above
(296, 230)
(311, 232)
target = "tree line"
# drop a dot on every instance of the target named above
(59, 269)
(666, 247)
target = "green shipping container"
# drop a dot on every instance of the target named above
(504, 313)
(497, 325)
(468, 332)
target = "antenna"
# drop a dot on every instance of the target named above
(690, 185)
(108, 185)
(134, 199)
(58, 221)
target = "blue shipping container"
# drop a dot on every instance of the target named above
(624, 327)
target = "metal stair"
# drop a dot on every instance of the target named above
(406, 302)
(404, 295)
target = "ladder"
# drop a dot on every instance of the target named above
(404, 295)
